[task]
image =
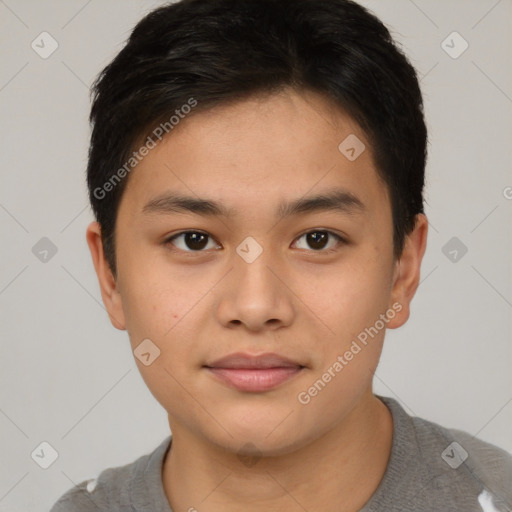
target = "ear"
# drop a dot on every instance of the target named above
(406, 276)
(108, 286)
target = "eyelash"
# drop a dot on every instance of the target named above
(341, 240)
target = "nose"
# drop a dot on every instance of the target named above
(255, 295)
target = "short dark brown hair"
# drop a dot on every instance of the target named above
(217, 51)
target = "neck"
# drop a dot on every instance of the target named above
(337, 472)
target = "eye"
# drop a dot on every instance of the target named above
(191, 241)
(197, 241)
(318, 240)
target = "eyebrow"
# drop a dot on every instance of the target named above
(337, 200)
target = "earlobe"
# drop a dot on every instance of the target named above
(406, 276)
(108, 286)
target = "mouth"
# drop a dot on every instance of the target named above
(253, 374)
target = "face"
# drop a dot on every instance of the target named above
(258, 260)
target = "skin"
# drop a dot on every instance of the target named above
(294, 300)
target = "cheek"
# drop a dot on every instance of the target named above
(331, 394)
(165, 308)
(156, 301)
(168, 385)
(351, 296)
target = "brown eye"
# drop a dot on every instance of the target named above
(191, 241)
(320, 241)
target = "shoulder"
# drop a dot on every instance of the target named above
(109, 491)
(462, 447)
(458, 454)
(115, 488)
(433, 467)
(463, 465)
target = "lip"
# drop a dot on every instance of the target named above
(254, 373)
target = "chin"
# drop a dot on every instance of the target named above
(254, 435)
(258, 446)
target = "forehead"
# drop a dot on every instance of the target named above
(257, 150)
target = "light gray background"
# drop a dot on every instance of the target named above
(69, 378)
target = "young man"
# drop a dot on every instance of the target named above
(256, 171)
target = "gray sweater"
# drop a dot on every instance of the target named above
(431, 468)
